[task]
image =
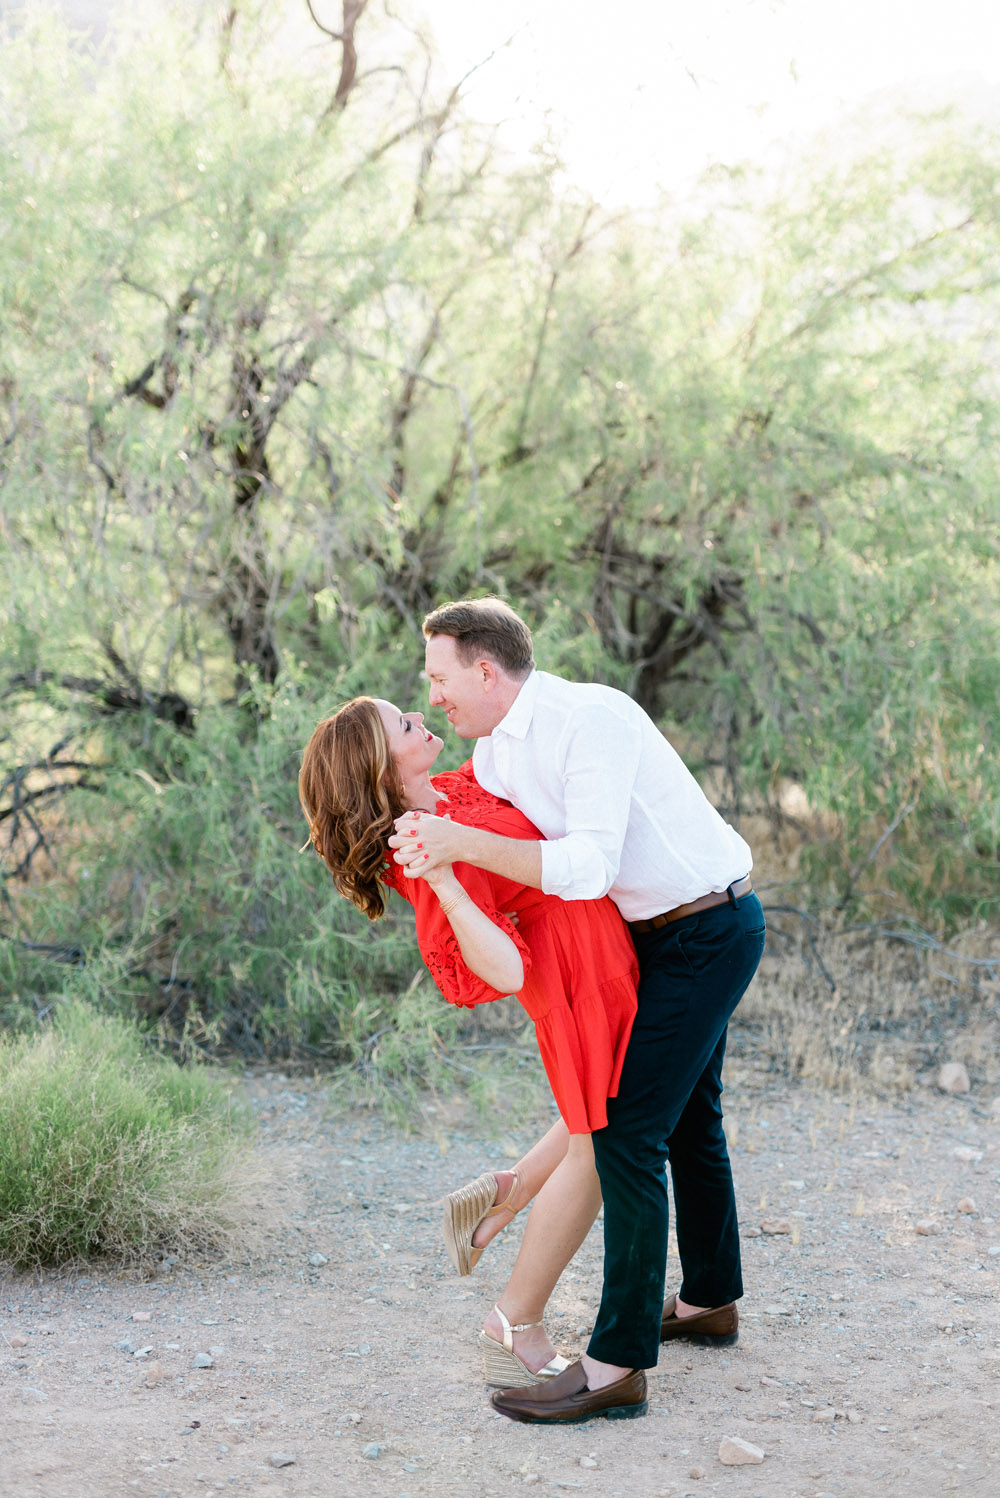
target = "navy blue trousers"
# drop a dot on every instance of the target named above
(692, 974)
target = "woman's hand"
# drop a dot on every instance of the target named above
(423, 842)
(441, 879)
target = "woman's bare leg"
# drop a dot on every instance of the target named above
(561, 1217)
(533, 1170)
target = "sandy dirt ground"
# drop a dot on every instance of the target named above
(343, 1357)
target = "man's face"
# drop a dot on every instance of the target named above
(467, 693)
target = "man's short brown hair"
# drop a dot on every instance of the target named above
(484, 627)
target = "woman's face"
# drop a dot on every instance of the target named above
(412, 746)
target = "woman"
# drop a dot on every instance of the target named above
(571, 964)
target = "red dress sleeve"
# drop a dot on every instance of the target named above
(437, 941)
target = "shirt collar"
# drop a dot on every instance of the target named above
(518, 717)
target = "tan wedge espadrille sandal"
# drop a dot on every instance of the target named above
(503, 1367)
(465, 1209)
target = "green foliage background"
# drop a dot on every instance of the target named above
(292, 354)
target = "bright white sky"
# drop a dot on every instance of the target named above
(644, 93)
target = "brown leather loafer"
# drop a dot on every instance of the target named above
(566, 1399)
(707, 1328)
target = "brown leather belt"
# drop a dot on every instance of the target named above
(736, 891)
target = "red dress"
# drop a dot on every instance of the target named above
(580, 968)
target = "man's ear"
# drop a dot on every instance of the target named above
(489, 674)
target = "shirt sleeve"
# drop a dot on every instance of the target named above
(439, 945)
(599, 763)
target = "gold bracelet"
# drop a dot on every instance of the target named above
(458, 900)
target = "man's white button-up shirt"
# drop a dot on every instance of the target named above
(620, 811)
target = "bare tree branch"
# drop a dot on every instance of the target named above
(874, 273)
(872, 854)
(579, 241)
(352, 13)
(115, 697)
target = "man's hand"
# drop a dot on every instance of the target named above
(424, 842)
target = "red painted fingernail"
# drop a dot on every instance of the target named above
(427, 855)
(420, 845)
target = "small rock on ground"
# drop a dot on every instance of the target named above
(953, 1077)
(735, 1452)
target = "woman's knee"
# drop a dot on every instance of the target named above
(581, 1149)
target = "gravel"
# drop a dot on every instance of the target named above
(868, 1359)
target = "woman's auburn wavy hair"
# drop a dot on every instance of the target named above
(351, 793)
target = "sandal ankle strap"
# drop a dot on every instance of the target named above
(505, 1205)
(508, 1330)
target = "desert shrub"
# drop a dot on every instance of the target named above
(107, 1150)
(189, 902)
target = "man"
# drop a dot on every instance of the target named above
(621, 815)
